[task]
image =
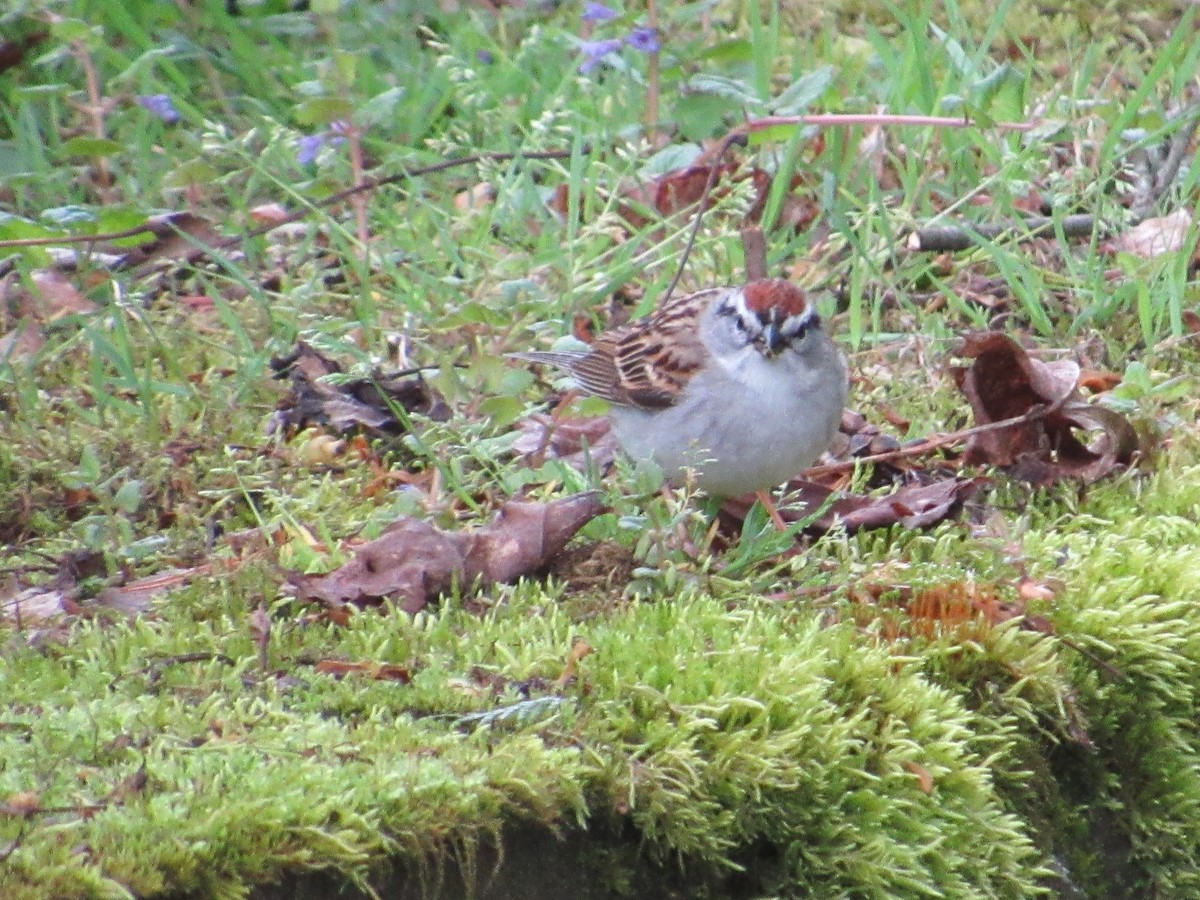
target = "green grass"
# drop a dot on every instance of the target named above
(740, 708)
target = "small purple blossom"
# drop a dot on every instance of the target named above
(598, 12)
(485, 57)
(594, 51)
(310, 145)
(644, 39)
(161, 106)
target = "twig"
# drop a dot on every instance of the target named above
(828, 120)
(754, 251)
(714, 167)
(653, 76)
(936, 442)
(94, 109)
(16, 841)
(937, 238)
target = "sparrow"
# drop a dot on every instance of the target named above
(739, 385)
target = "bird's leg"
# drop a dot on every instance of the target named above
(768, 504)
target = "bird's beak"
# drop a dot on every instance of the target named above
(773, 339)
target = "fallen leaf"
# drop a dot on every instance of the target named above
(174, 237)
(135, 596)
(579, 649)
(576, 441)
(358, 403)
(12, 51)
(480, 196)
(924, 779)
(412, 562)
(377, 671)
(56, 296)
(1005, 382)
(274, 214)
(21, 804)
(1152, 237)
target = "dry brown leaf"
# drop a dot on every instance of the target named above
(412, 561)
(573, 440)
(375, 670)
(924, 779)
(1153, 237)
(360, 403)
(269, 214)
(1004, 382)
(176, 237)
(579, 649)
(56, 296)
(911, 506)
(135, 596)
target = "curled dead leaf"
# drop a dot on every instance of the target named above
(577, 441)
(1005, 382)
(1152, 237)
(358, 403)
(412, 561)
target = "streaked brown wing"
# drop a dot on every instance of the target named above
(656, 357)
(645, 364)
(594, 372)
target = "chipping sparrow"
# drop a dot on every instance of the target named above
(740, 384)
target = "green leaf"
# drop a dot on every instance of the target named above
(70, 30)
(191, 172)
(699, 116)
(725, 88)
(15, 228)
(122, 218)
(323, 111)
(772, 134)
(801, 93)
(92, 146)
(381, 108)
(502, 410)
(727, 52)
(671, 158)
(128, 497)
(478, 314)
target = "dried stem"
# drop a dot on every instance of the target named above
(94, 109)
(937, 238)
(653, 76)
(935, 442)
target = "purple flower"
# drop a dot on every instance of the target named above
(310, 145)
(644, 39)
(161, 106)
(485, 57)
(598, 12)
(594, 51)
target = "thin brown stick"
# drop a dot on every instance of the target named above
(653, 77)
(940, 238)
(714, 167)
(94, 108)
(935, 442)
(836, 120)
(358, 201)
